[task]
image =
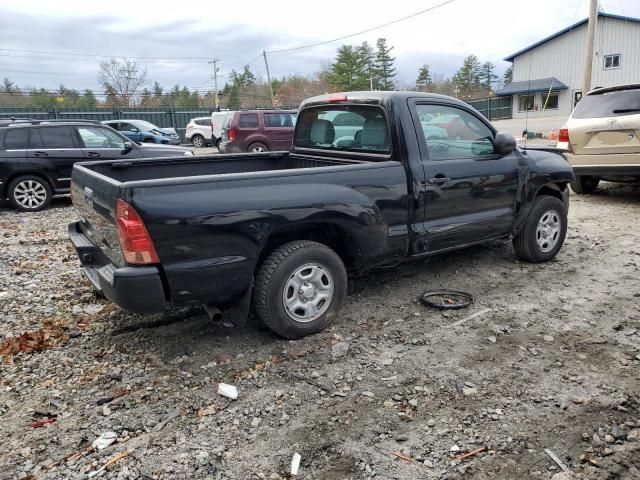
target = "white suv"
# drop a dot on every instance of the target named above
(199, 132)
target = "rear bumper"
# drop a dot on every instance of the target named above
(134, 289)
(605, 164)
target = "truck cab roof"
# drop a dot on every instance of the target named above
(377, 98)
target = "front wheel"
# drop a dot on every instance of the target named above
(585, 184)
(544, 230)
(29, 193)
(300, 288)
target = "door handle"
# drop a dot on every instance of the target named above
(93, 154)
(438, 180)
(40, 154)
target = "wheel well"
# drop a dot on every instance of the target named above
(553, 190)
(328, 234)
(12, 177)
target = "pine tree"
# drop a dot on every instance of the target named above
(248, 79)
(508, 75)
(384, 65)
(88, 99)
(145, 98)
(233, 100)
(423, 82)
(348, 71)
(486, 75)
(369, 60)
(467, 78)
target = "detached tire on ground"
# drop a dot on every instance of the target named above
(544, 230)
(300, 288)
(585, 184)
(29, 193)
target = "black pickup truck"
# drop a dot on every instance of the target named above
(372, 179)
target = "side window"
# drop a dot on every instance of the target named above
(35, 141)
(278, 120)
(452, 133)
(126, 127)
(96, 137)
(248, 120)
(15, 139)
(204, 122)
(56, 137)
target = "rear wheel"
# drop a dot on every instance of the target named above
(218, 141)
(29, 193)
(197, 141)
(585, 184)
(544, 230)
(300, 288)
(257, 148)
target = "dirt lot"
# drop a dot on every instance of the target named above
(554, 364)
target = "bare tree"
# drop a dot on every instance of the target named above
(122, 77)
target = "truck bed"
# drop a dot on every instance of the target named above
(161, 168)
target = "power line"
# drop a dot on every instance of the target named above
(407, 17)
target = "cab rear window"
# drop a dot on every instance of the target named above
(610, 104)
(344, 127)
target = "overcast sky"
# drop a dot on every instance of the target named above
(181, 37)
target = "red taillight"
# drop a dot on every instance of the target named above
(137, 246)
(232, 134)
(337, 98)
(563, 136)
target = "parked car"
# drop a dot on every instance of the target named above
(283, 229)
(454, 126)
(258, 131)
(145, 132)
(602, 137)
(217, 124)
(37, 156)
(198, 132)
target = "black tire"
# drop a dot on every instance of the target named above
(198, 141)
(257, 147)
(29, 190)
(218, 142)
(273, 282)
(526, 243)
(148, 140)
(585, 184)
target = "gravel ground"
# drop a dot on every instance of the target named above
(553, 364)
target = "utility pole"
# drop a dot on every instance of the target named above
(588, 58)
(266, 65)
(215, 84)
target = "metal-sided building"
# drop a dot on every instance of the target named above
(547, 76)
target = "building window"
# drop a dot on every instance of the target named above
(611, 61)
(549, 101)
(525, 103)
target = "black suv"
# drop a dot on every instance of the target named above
(37, 156)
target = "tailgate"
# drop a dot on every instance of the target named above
(94, 198)
(608, 135)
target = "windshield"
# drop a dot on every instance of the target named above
(343, 127)
(142, 125)
(610, 104)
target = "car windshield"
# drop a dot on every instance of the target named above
(343, 127)
(142, 125)
(610, 104)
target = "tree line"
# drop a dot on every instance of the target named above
(355, 67)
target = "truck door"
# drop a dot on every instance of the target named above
(469, 190)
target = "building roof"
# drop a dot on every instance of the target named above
(568, 29)
(532, 86)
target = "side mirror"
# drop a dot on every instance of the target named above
(504, 143)
(128, 146)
